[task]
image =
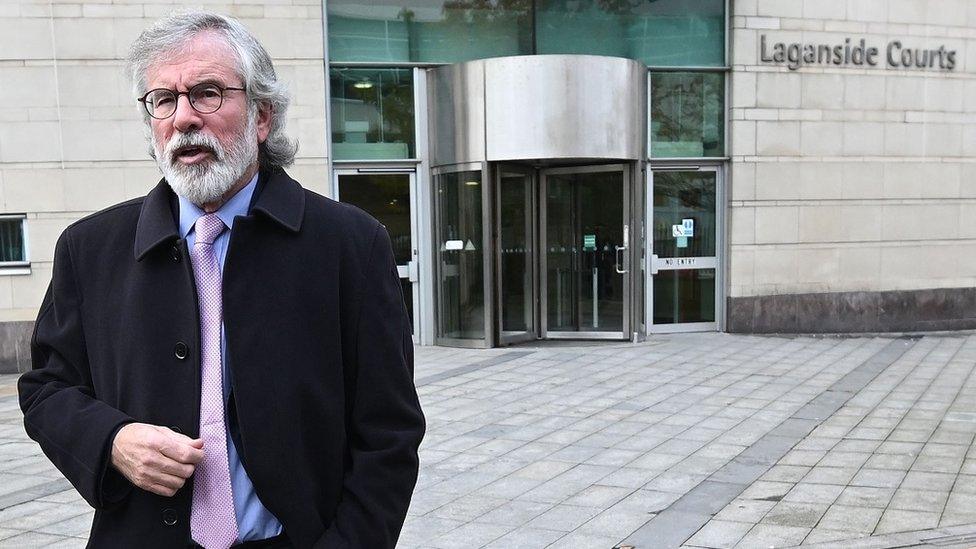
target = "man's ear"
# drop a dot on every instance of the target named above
(264, 121)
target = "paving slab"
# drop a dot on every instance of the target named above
(686, 440)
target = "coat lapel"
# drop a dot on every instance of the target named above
(156, 224)
(279, 197)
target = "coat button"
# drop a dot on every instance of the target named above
(181, 350)
(174, 253)
(170, 518)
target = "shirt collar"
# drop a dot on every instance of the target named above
(237, 205)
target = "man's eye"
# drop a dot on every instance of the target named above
(209, 93)
(162, 100)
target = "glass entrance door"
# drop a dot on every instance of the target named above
(390, 198)
(515, 254)
(584, 279)
(684, 264)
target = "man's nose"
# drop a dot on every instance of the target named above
(186, 119)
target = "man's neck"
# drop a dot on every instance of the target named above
(211, 207)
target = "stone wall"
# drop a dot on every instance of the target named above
(851, 178)
(71, 135)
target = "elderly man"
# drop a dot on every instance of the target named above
(226, 361)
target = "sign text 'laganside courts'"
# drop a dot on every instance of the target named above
(894, 55)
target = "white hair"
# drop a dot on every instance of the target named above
(169, 34)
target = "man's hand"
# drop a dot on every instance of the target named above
(155, 458)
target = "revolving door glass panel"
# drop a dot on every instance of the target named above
(460, 256)
(516, 254)
(585, 249)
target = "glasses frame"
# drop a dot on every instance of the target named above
(145, 102)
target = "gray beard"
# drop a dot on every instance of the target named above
(208, 181)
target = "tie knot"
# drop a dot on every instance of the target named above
(208, 228)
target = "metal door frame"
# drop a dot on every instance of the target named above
(508, 338)
(411, 271)
(544, 332)
(710, 262)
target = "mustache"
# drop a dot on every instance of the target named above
(182, 140)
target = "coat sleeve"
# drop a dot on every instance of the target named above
(61, 410)
(385, 425)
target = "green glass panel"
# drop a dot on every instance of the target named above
(680, 33)
(372, 113)
(658, 33)
(687, 114)
(12, 240)
(583, 27)
(684, 296)
(433, 31)
(460, 256)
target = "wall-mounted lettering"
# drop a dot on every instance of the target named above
(895, 55)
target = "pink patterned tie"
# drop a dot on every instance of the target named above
(212, 520)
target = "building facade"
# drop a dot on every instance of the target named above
(562, 169)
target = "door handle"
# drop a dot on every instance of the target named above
(619, 259)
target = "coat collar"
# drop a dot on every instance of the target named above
(277, 196)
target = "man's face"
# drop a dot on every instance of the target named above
(203, 156)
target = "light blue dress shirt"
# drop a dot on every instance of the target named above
(253, 520)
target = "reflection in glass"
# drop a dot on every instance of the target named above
(679, 196)
(436, 31)
(669, 33)
(684, 296)
(515, 243)
(584, 225)
(687, 114)
(460, 256)
(372, 113)
(387, 198)
(659, 33)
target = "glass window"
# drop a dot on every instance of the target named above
(433, 31)
(684, 296)
(13, 245)
(680, 196)
(658, 33)
(687, 114)
(460, 256)
(372, 113)
(385, 196)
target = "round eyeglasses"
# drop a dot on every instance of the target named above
(205, 98)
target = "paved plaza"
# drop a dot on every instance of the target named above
(693, 440)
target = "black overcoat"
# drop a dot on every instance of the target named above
(320, 354)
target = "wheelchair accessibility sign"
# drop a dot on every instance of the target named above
(686, 229)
